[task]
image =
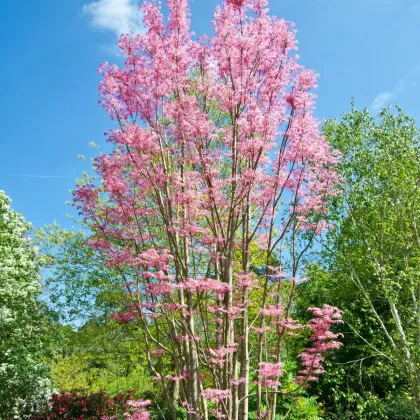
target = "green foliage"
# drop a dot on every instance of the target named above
(303, 408)
(71, 373)
(369, 266)
(298, 408)
(100, 354)
(401, 407)
(97, 353)
(79, 284)
(103, 355)
(294, 404)
(358, 377)
(23, 319)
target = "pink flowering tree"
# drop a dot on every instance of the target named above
(217, 158)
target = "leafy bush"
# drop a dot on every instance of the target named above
(82, 407)
(401, 407)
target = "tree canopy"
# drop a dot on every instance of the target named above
(370, 261)
(23, 321)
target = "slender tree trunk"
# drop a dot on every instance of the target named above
(244, 371)
(193, 365)
(229, 338)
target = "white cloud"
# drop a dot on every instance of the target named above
(117, 16)
(381, 100)
(409, 80)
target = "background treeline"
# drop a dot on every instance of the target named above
(367, 265)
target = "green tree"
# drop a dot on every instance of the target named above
(370, 264)
(102, 355)
(23, 321)
(80, 286)
(98, 353)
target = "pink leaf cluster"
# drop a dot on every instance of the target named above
(269, 374)
(323, 341)
(216, 395)
(140, 412)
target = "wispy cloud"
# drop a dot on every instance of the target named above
(415, 8)
(111, 50)
(409, 80)
(117, 16)
(36, 176)
(380, 100)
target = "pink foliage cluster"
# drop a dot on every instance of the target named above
(323, 341)
(236, 3)
(140, 411)
(269, 374)
(215, 395)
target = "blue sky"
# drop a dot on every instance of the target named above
(50, 49)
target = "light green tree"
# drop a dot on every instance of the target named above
(371, 265)
(98, 353)
(23, 322)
